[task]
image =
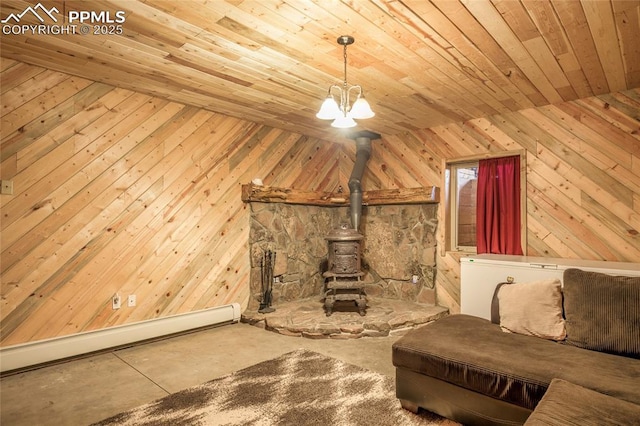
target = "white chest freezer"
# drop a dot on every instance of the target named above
(480, 274)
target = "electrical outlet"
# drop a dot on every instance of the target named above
(116, 302)
(131, 300)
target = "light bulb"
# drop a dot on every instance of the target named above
(361, 108)
(329, 109)
(344, 122)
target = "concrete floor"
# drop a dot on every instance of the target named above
(87, 390)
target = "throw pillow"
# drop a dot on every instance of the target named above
(602, 312)
(533, 309)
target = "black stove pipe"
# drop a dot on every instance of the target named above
(363, 152)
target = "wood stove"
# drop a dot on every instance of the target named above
(343, 278)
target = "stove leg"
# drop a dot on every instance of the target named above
(328, 305)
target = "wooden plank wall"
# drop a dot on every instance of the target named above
(119, 192)
(583, 176)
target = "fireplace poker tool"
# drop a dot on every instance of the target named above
(268, 262)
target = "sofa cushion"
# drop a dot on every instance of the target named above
(602, 312)
(565, 403)
(533, 308)
(473, 353)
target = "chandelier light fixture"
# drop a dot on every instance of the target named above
(337, 105)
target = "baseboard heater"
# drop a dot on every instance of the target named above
(25, 355)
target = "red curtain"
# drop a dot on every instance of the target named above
(498, 206)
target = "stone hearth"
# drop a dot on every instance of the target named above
(398, 251)
(306, 318)
(398, 261)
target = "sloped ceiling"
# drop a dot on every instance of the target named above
(422, 63)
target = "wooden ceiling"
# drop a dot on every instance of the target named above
(422, 63)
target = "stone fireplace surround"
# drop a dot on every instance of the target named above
(398, 258)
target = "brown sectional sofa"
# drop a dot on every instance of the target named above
(474, 371)
(558, 407)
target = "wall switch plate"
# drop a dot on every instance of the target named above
(131, 300)
(7, 187)
(116, 302)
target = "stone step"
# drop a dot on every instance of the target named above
(307, 318)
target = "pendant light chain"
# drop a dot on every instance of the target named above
(345, 65)
(343, 95)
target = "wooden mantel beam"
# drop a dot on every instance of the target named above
(267, 194)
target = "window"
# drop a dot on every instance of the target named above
(461, 203)
(461, 181)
